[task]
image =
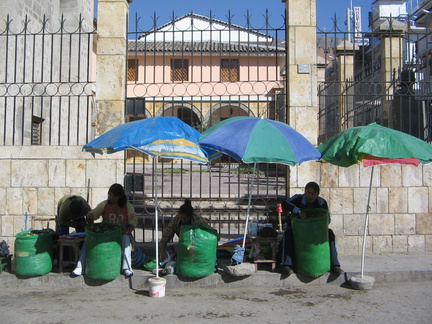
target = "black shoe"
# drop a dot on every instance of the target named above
(287, 270)
(336, 270)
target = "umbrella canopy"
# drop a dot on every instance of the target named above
(168, 137)
(253, 139)
(374, 145)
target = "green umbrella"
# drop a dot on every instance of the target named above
(374, 142)
(374, 145)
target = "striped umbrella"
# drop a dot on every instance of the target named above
(167, 137)
(258, 140)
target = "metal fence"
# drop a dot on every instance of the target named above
(46, 82)
(380, 76)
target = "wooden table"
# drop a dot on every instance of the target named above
(74, 243)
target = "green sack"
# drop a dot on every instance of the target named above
(196, 254)
(311, 246)
(103, 251)
(33, 252)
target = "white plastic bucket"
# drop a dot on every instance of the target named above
(157, 287)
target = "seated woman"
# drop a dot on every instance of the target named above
(116, 209)
(185, 216)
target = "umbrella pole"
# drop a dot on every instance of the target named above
(156, 218)
(249, 205)
(366, 224)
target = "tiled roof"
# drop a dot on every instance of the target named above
(204, 47)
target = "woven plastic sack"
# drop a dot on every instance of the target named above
(33, 253)
(311, 246)
(196, 255)
(103, 251)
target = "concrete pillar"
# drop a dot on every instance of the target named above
(345, 55)
(391, 61)
(301, 81)
(111, 64)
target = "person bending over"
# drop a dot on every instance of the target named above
(71, 211)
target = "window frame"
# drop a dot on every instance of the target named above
(179, 70)
(230, 70)
(132, 70)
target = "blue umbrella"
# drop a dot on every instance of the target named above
(254, 140)
(167, 137)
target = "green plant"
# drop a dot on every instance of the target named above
(246, 170)
(171, 170)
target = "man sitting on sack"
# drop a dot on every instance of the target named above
(296, 205)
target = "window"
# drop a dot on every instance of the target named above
(132, 70)
(229, 70)
(36, 130)
(179, 70)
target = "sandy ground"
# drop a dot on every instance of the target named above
(408, 302)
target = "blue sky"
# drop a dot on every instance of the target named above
(164, 10)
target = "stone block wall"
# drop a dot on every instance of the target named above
(34, 178)
(400, 215)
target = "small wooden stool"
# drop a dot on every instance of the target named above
(273, 241)
(73, 243)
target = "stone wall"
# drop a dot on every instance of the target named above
(400, 215)
(34, 178)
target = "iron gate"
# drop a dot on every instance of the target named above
(204, 70)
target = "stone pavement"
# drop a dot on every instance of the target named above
(383, 268)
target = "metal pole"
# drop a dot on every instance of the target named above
(249, 204)
(348, 16)
(366, 224)
(156, 217)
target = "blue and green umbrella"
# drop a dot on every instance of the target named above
(258, 140)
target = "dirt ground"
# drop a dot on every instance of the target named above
(408, 302)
